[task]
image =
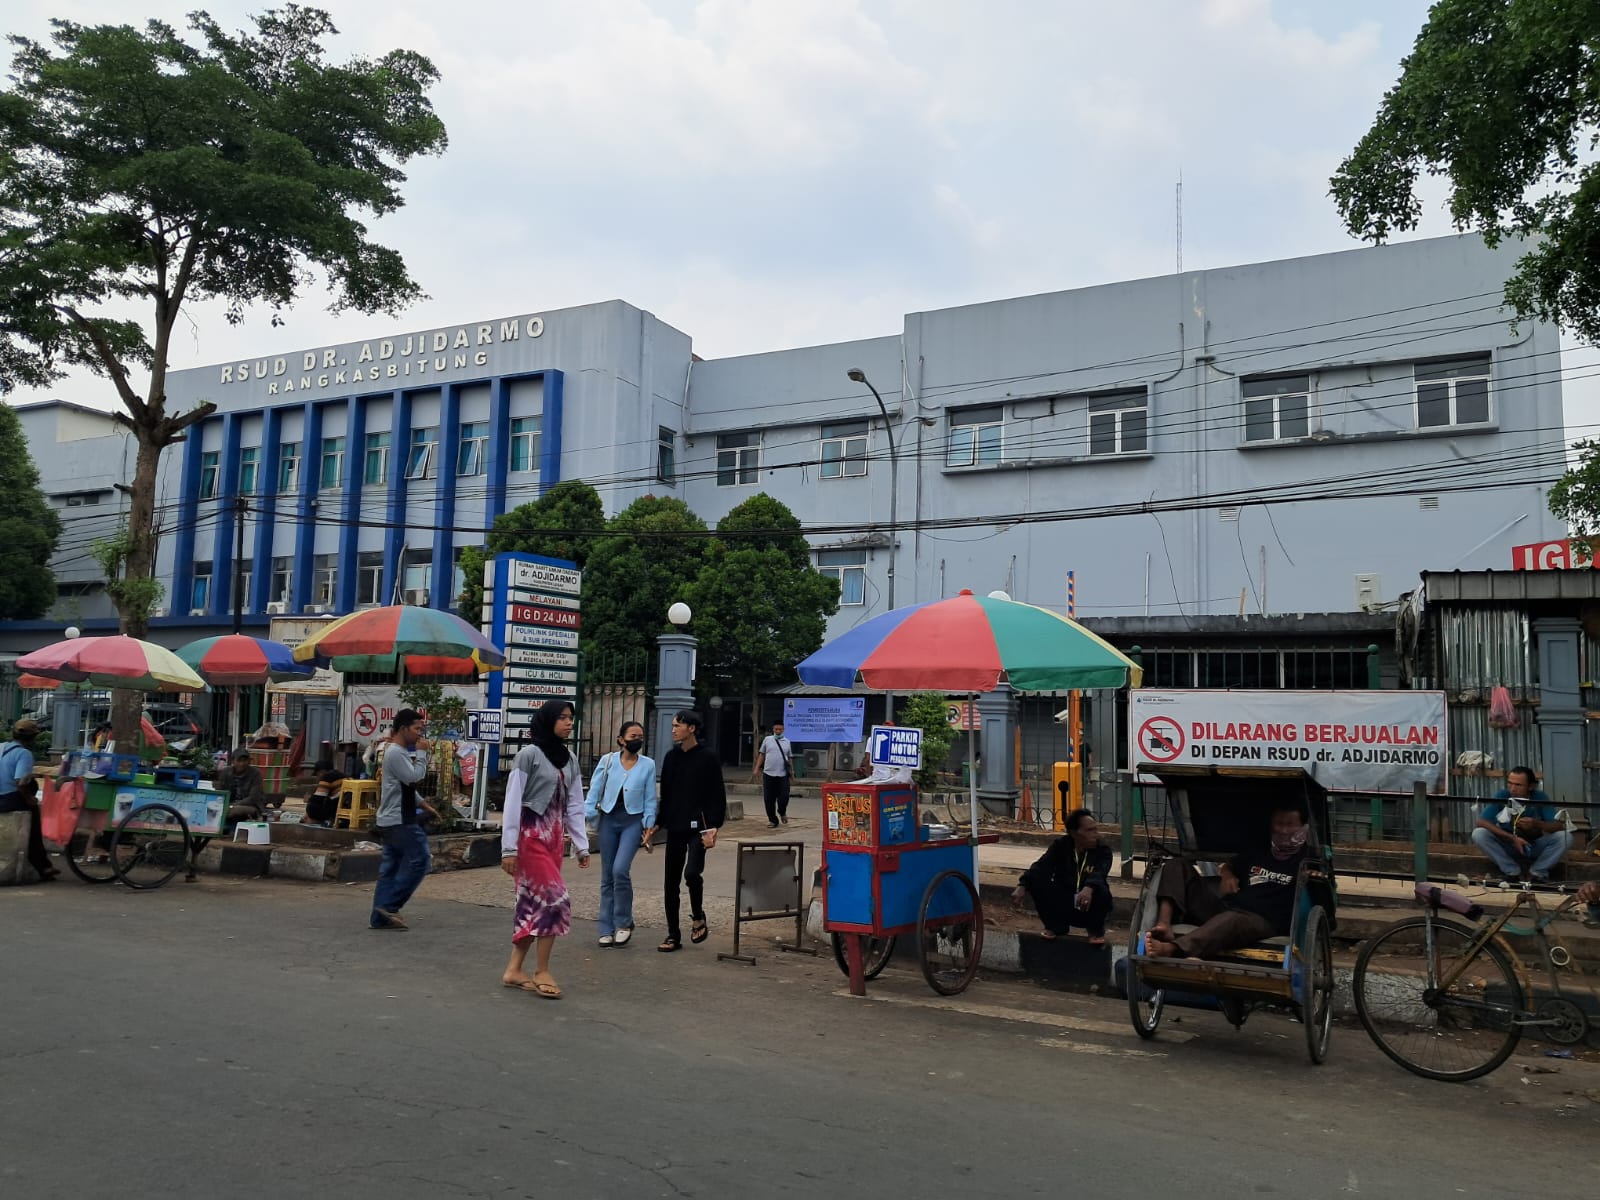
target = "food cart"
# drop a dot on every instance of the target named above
(137, 827)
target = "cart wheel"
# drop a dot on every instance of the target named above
(88, 858)
(1144, 1002)
(1316, 1005)
(950, 933)
(148, 856)
(875, 955)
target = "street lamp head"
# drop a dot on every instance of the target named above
(856, 374)
(679, 614)
(999, 594)
(73, 631)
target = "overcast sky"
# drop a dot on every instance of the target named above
(772, 173)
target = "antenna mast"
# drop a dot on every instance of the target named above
(1179, 205)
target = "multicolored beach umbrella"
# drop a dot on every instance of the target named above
(383, 639)
(239, 660)
(118, 661)
(970, 644)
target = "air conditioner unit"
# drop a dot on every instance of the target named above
(816, 760)
(316, 609)
(277, 607)
(417, 596)
(197, 612)
(1367, 592)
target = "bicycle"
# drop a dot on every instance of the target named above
(1449, 1000)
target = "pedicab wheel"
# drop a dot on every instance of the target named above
(1316, 1007)
(1452, 1033)
(1144, 1002)
(950, 933)
(150, 846)
(87, 857)
(875, 954)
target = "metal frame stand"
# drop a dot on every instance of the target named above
(795, 910)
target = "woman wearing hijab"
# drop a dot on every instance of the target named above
(543, 793)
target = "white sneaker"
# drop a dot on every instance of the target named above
(607, 940)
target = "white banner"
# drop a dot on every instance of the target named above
(367, 711)
(546, 577)
(1348, 741)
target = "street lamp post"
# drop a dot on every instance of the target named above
(857, 375)
(674, 677)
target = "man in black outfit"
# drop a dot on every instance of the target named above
(693, 806)
(1071, 882)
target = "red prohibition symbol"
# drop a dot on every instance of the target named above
(1161, 739)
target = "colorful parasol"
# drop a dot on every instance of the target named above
(970, 644)
(239, 660)
(113, 662)
(383, 639)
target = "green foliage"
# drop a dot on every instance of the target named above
(650, 554)
(758, 610)
(133, 597)
(1576, 497)
(29, 528)
(1502, 97)
(929, 712)
(563, 523)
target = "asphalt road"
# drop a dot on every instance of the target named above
(254, 1038)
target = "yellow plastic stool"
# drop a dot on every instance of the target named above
(358, 804)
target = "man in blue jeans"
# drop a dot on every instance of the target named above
(405, 842)
(1518, 830)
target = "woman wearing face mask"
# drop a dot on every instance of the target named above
(622, 802)
(1255, 901)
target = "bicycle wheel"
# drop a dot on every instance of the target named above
(950, 933)
(88, 857)
(875, 954)
(1452, 1034)
(150, 846)
(1316, 1012)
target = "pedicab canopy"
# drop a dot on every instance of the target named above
(1223, 811)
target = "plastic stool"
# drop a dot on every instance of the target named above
(257, 833)
(358, 804)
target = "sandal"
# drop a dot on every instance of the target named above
(670, 943)
(698, 930)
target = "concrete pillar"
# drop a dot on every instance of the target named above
(997, 742)
(1559, 640)
(674, 687)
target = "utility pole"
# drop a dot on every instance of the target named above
(240, 505)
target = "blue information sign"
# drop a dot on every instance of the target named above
(896, 746)
(485, 725)
(824, 718)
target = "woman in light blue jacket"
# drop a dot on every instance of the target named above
(621, 798)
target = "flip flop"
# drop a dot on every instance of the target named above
(389, 920)
(546, 991)
(1049, 935)
(699, 931)
(1097, 941)
(515, 983)
(669, 944)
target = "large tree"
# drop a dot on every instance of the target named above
(563, 523)
(29, 528)
(759, 605)
(141, 168)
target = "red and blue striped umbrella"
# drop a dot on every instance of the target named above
(238, 660)
(384, 639)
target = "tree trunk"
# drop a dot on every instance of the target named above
(133, 612)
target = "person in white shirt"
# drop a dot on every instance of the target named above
(775, 764)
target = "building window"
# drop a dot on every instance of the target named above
(332, 461)
(458, 579)
(249, 463)
(82, 499)
(419, 462)
(200, 589)
(976, 436)
(416, 577)
(849, 567)
(474, 447)
(1275, 409)
(324, 579)
(282, 589)
(1119, 424)
(738, 458)
(375, 468)
(525, 443)
(1453, 393)
(208, 474)
(369, 577)
(844, 449)
(289, 467)
(243, 597)
(666, 455)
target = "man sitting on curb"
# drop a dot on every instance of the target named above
(1071, 882)
(1255, 901)
(1518, 831)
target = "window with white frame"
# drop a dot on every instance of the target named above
(844, 449)
(738, 458)
(200, 589)
(289, 467)
(416, 577)
(474, 448)
(244, 591)
(332, 463)
(525, 435)
(1119, 424)
(249, 467)
(375, 466)
(1453, 392)
(369, 577)
(208, 474)
(1277, 408)
(419, 462)
(282, 579)
(666, 455)
(849, 567)
(324, 578)
(976, 436)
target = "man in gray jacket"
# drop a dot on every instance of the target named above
(405, 842)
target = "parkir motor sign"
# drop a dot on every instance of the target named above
(1348, 741)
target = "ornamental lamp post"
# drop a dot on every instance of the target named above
(857, 375)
